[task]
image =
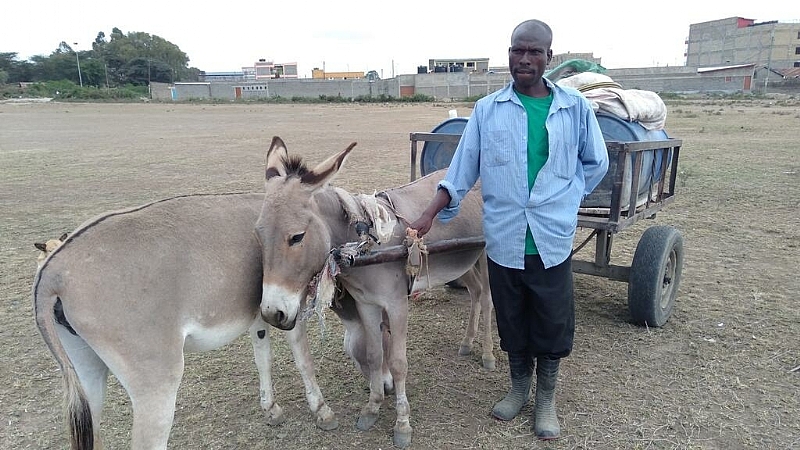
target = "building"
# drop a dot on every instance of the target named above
(222, 76)
(265, 70)
(321, 74)
(468, 65)
(737, 40)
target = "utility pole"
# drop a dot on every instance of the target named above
(769, 57)
(78, 60)
(149, 52)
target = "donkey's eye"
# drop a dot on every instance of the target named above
(296, 238)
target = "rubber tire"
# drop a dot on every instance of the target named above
(655, 276)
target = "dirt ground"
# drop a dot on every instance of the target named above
(721, 374)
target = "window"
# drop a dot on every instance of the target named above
(728, 79)
(797, 50)
(797, 64)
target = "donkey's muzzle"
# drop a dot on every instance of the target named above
(280, 320)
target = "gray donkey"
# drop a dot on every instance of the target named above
(130, 291)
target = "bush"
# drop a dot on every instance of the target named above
(65, 90)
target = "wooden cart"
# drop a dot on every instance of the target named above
(655, 272)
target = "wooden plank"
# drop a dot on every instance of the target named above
(400, 252)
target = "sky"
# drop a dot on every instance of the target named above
(391, 38)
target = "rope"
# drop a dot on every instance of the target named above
(321, 293)
(417, 256)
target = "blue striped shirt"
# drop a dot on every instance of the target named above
(494, 148)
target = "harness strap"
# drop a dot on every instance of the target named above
(397, 214)
(365, 212)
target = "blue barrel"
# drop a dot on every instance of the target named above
(437, 155)
(617, 129)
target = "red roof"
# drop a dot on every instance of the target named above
(794, 72)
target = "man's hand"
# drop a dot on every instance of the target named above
(422, 225)
(425, 221)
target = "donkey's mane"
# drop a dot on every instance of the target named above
(294, 166)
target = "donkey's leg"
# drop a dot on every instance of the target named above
(469, 280)
(262, 349)
(371, 317)
(386, 339)
(355, 346)
(480, 307)
(298, 341)
(92, 373)
(355, 340)
(397, 311)
(483, 296)
(487, 309)
(152, 378)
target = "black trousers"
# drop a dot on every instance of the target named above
(534, 307)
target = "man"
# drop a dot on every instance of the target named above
(538, 151)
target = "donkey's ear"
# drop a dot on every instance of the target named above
(41, 246)
(277, 155)
(326, 170)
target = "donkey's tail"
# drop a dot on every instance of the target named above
(76, 405)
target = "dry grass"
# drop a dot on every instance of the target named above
(717, 376)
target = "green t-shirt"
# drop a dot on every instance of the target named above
(538, 147)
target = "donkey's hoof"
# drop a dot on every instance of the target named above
(464, 350)
(366, 421)
(326, 419)
(489, 363)
(327, 424)
(275, 415)
(402, 439)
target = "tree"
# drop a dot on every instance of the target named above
(60, 65)
(117, 59)
(14, 69)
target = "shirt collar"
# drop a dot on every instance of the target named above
(561, 99)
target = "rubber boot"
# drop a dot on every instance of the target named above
(520, 366)
(545, 419)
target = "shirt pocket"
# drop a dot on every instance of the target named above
(563, 159)
(496, 147)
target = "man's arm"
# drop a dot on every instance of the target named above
(425, 221)
(594, 156)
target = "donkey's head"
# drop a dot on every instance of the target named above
(294, 236)
(48, 247)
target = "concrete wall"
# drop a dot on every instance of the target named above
(462, 85)
(284, 88)
(160, 91)
(457, 86)
(681, 79)
(201, 91)
(444, 86)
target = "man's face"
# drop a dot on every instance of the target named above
(527, 59)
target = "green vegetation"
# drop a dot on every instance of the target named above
(65, 90)
(106, 71)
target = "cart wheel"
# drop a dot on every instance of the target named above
(655, 275)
